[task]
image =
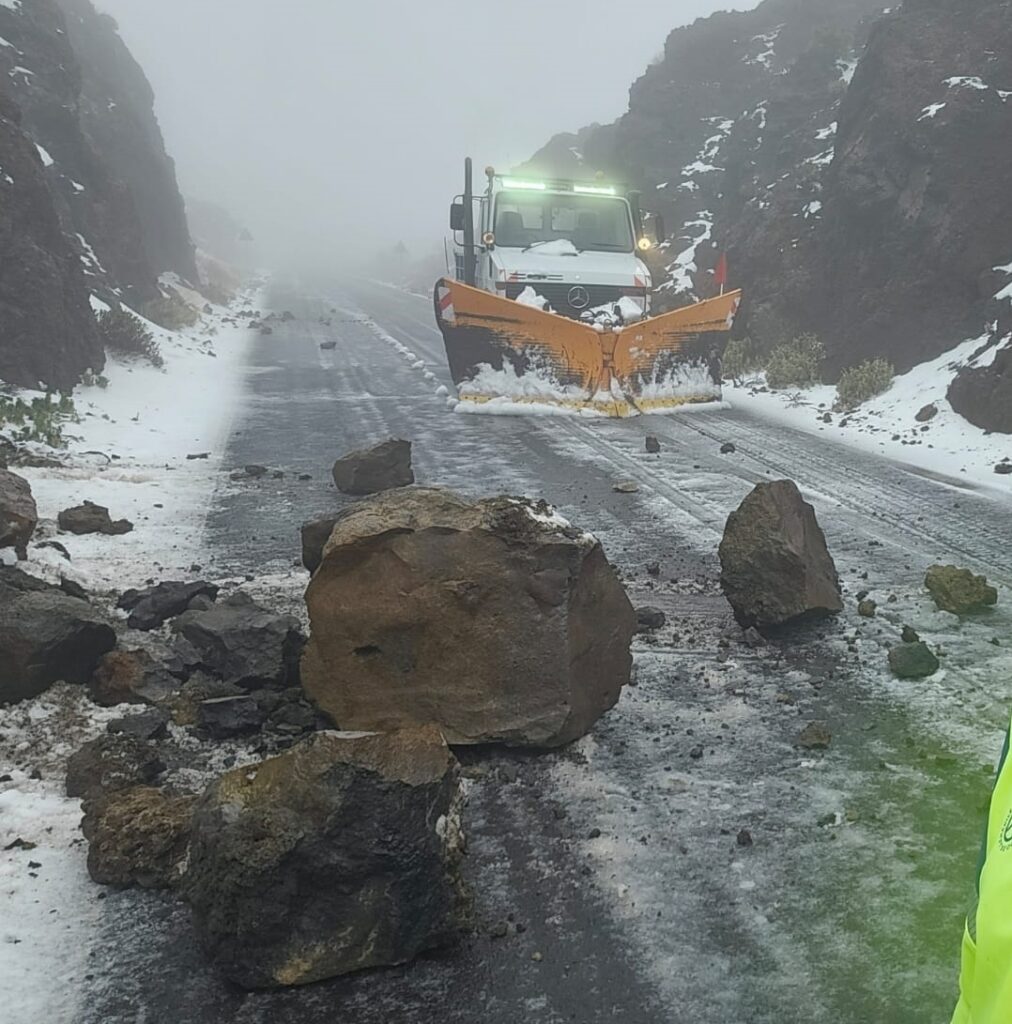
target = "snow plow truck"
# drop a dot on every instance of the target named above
(548, 303)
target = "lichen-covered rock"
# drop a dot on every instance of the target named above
(775, 566)
(18, 514)
(137, 837)
(339, 855)
(958, 590)
(382, 468)
(496, 621)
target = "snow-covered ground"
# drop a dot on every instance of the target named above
(129, 453)
(887, 425)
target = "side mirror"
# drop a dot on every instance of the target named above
(457, 217)
(662, 235)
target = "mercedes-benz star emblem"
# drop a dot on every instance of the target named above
(579, 297)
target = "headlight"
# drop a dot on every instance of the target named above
(645, 244)
(488, 239)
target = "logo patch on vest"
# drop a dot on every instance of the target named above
(1005, 839)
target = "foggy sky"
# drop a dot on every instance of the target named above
(331, 125)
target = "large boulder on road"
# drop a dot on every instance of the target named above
(18, 514)
(243, 643)
(496, 621)
(958, 590)
(341, 854)
(775, 566)
(382, 468)
(46, 636)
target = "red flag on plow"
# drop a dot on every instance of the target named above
(720, 273)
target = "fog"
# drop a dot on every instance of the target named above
(332, 127)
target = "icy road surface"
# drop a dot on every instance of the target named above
(685, 862)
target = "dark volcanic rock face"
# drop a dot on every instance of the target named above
(856, 166)
(47, 331)
(77, 125)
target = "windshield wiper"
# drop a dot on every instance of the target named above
(548, 241)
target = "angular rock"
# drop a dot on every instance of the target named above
(913, 661)
(1003, 468)
(958, 590)
(130, 677)
(775, 566)
(151, 608)
(652, 445)
(243, 643)
(46, 636)
(339, 855)
(382, 468)
(112, 763)
(496, 621)
(138, 837)
(18, 514)
(648, 619)
(315, 535)
(92, 518)
(727, 448)
(224, 717)
(148, 725)
(815, 736)
(927, 413)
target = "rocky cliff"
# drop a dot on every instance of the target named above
(855, 163)
(76, 93)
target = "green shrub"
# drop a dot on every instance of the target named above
(41, 420)
(741, 357)
(796, 364)
(862, 382)
(124, 334)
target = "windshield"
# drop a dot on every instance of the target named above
(596, 223)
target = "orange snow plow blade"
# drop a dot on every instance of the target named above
(506, 353)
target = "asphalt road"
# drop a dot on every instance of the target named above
(846, 905)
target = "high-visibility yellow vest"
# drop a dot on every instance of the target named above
(985, 980)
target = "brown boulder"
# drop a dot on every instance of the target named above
(130, 677)
(382, 468)
(775, 566)
(496, 621)
(339, 855)
(137, 837)
(18, 514)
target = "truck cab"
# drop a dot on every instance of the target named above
(571, 247)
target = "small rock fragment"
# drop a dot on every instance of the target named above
(815, 736)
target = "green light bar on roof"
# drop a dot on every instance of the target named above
(537, 186)
(595, 190)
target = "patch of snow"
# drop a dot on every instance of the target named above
(529, 297)
(931, 111)
(7, 43)
(812, 209)
(88, 258)
(847, 69)
(951, 445)
(688, 186)
(826, 133)
(768, 39)
(151, 419)
(556, 247)
(47, 160)
(577, 154)
(699, 167)
(965, 82)
(663, 184)
(98, 305)
(822, 159)
(11, 5)
(760, 112)
(6, 177)
(19, 70)
(77, 186)
(681, 269)
(1003, 95)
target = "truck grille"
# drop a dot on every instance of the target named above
(558, 294)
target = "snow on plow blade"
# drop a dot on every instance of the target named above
(504, 352)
